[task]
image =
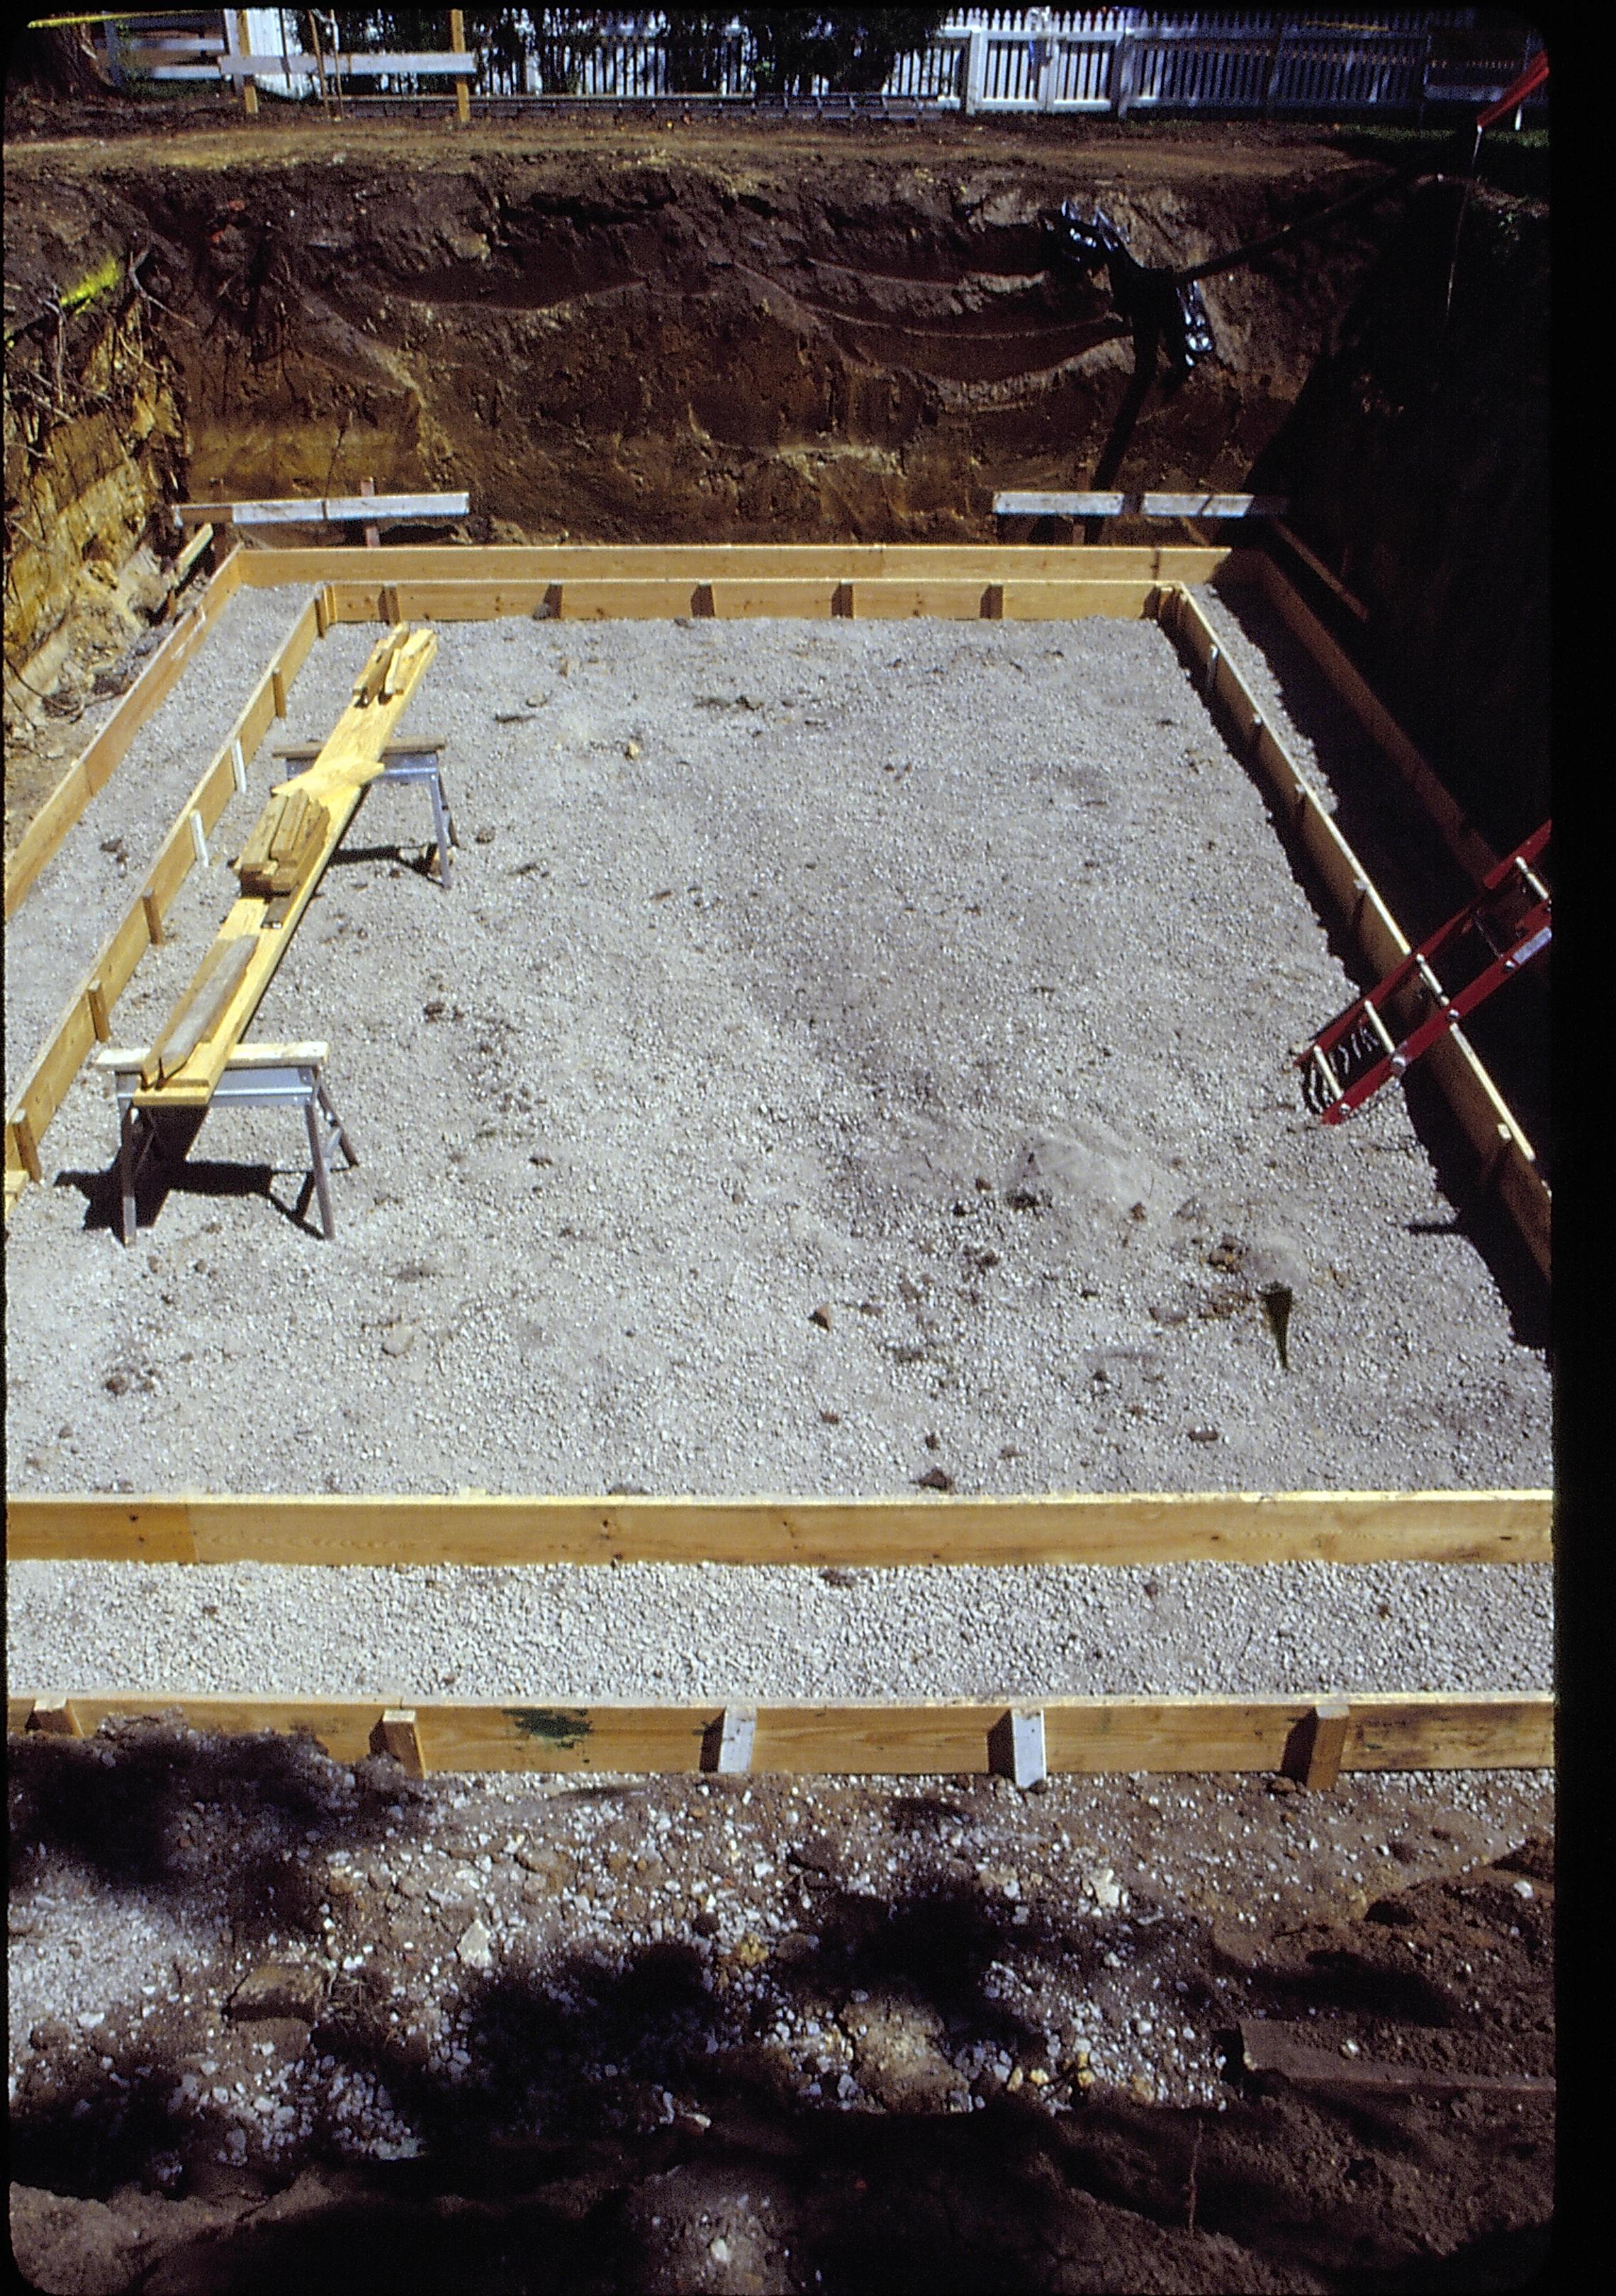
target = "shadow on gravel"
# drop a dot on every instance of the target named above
(124, 1804)
(633, 2125)
(1422, 886)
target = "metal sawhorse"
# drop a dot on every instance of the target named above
(419, 759)
(256, 1076)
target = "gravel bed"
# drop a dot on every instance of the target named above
(706, 1631)
(935, 980)
(84, 891)
(851, 1055)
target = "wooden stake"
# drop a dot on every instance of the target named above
(55, 1718)
(1325, 1737)
(101, 1020)
(462, 100)
(395, 1735)
(154, 917)
(373, 534)
(27, 1146)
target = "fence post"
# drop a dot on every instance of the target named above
(238, 44)
(976, 67)
(462, 97)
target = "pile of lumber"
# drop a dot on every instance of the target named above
(284, 845)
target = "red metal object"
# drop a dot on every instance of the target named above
(1533, 77)
(1348, 1061)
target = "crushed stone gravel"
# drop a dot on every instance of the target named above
(850, 1053)
(707, 1631)
(87, 887)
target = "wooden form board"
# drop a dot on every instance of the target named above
(693, 562)
(96, 765)
(1506, 1154)
(1413, 1731)
(349, 759)
(629, 598)
(1457, 832)
(86, 1020)
(1341, 1526)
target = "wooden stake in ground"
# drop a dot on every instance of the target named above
(462, 100)
(249, 93)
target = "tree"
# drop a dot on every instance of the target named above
(57, 60)
(696, 46)
(849, 50)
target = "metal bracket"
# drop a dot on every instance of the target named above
(1015, 1746)
(726, 1744)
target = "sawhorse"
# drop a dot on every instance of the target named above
(404, 760)
(257, 1076)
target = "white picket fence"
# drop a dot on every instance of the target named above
(1110, 60)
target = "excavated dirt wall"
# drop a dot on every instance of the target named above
(667, 332)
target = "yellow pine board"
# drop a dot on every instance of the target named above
(735, 597)
(1049, 600)
(1093, 1735)
(693, 562)
(350, 758)
(1143, 1529)
(896, 598)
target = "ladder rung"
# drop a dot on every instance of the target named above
(1430, 980)
(1379, 1026)
(1333, 1084)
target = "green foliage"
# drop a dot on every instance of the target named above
(696, 46)
(851, 50)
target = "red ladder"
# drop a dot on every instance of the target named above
(1358, 1054)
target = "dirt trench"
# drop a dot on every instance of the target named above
(731, 334)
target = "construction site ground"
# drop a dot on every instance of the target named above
(849, 1053)
(272, 2019)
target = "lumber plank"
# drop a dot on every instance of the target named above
(1089, 1736)
(735, 597)
(693, 562)
(350, 759)
(200, 1008)
(1132, 1528)
(1050, 600)
(1457, 832)
(47, 1081)
(93, 768)
(323, 510)
(894, 598)
(1147, 505)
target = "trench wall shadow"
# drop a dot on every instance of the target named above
(1422, 886)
